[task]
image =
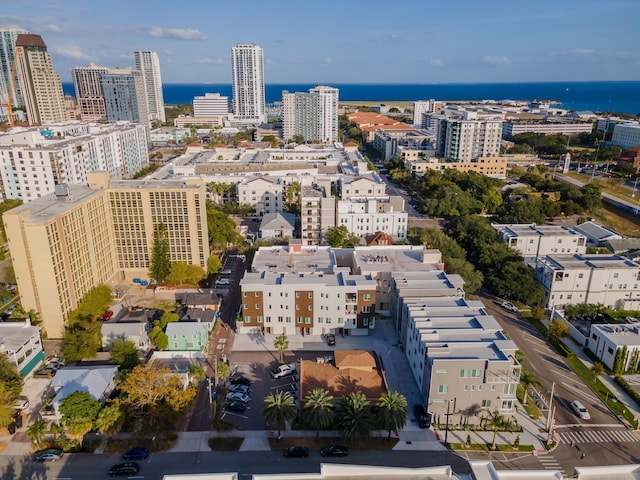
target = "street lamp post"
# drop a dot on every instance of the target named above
(446, 428)
(595, 163)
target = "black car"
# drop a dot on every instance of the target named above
(331, 339)
(422, 417)
(240, 380)
(235, 406)
(138, 453)
(334, 451)
(126, 469)
(296, 451)
(46, 372)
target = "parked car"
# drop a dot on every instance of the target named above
(296, 451)
(331, 339)
(509, 306)
(106, 316)
(334, 451)
(237, 397)
(580, 410)
(283, 370)
(240, 380)
(226, 271)
(48, 455)
(126, 469)
(422, 417)
(223, 281)
(239, 388)
(234, 406)
(138, 453)
(45, 372)
(21, 403)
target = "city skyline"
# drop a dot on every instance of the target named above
(413, 42)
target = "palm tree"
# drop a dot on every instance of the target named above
(281, 343)
(393, 411)
(527, 380)
(318, 409)
(110, 418)
(497, 421)
(278, 409)
(36, 432)
(354, 420)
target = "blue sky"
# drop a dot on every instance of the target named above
(406, 41)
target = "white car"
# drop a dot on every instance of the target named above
(223, 281)
(22, 403)
(580, 410)
(237, 397)
(509, 306)
(283, 370)
(226, 271)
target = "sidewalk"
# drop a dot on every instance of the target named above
(608, 381)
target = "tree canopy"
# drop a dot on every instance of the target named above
(160, 264)
(341, 237)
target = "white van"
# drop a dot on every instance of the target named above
(283, 370)
(580, 410)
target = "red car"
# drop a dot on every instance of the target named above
(107, 315)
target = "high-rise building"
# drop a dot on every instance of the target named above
(89, 97)
(210, 105)
(313, 115)
(124, 96)
(148, 64)
(8, 75)
(68, 242)
(39, 82)
(463, 136)
(420, 107)
(247, 71)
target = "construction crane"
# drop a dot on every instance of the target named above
(8, 97)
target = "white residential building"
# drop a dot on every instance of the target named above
(148, 64)
(8, 75)
(610, 280)
(626, 135)
(317, 213)
(532, 240)
(265, 194)
(247, 72)
(210, 105)
(419, 108)
(313, 115)
(125, 96)
(89, 96)
(605, 341)
(34, 160)
(362, 187)
(466, 135)
(22, 345)
(511, 128)
(365, 216)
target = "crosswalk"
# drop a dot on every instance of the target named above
(598, 436)
(550, 463)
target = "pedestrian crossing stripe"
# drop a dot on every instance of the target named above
(596, 436)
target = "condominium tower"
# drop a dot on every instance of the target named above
(89, 96)
(148, 64)
(124, 96)
(8, 77)
(68, 242)
(465, 136)
(39, 83)
(312, 115)
(210, 105)
(247, 71)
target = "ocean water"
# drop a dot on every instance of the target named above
(623, 97)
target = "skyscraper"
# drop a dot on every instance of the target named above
(149, 65)
(8, 36)
(39, 82)
(124, 96)
(86, 81)
(247, 71)
(313, 115)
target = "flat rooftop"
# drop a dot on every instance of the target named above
(525, 230)
(470, 350)
(618, 334)
(595, 261)
(279, 258)
(14, 335)
(308, 279)
(396, 258)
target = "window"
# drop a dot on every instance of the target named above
(257, 305)
(307, 320)
(464, 373)
(260, 318)
(610, 350)
(475, 373)
(256, 294)
(320, 320)
(328, 320)
(288, 319)
(246, 306)
(440, 371)
(594, 336)
(443, 389)
(339, 319)
(466, 387)
(486, 403)
(297, 294)
(366, 296)
(509, 388)
(310, 295)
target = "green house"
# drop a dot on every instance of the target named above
(188, 336)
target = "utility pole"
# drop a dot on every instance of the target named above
(551, 409)
(446, 428)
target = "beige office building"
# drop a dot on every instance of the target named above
(68, 242)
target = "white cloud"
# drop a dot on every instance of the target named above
(328, 60)
(50, 28)
(436, 62)
(177, 33)
(583, 51)
(393, 36)
(209, 60)
(72, 51)
(494, 60)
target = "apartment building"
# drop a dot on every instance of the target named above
(616, 342)
(312, 115)
(532, 240)
(370, 122)
(247, 75)
(22, 345)
(364, 216)
(490, 166)
(513, 127)
(210, 105)
(89, 96)
(468, 135)
(626, 135)
(34, 160)
(610, 280)
(125, 96)
(362, 186)
(264, 193)
(317, 213)
(148, 64)
(65, 243)
(420, 108)
(39, 83)
(9, 84)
